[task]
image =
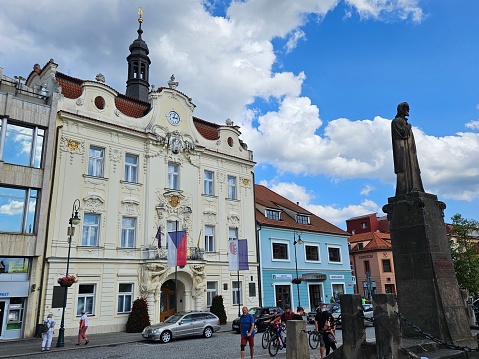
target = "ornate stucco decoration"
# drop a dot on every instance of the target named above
(115, 157)
(151, 277)
(233, 219)
(72, 146)
(130, 206)
(199, 280)
(175, 141)
(94, 203)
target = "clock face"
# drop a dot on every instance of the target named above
(173, 118)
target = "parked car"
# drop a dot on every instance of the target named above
(182, 325)
(475, 309)
(260, 325)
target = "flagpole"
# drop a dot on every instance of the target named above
(239, 296)
(176, 278)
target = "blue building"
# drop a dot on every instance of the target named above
(304, 260)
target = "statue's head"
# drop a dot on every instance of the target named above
(403, 109)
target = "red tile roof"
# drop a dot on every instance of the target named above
(72, 88)
(266, 197)
(368, 236)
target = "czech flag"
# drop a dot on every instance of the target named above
(238, 254)
(177, 248)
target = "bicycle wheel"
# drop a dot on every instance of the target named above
(265, 339)
(274, 345)
(313, 340)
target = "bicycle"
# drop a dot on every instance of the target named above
(313, 338)
(276, 342)
(268, 333)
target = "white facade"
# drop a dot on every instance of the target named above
(131, 176)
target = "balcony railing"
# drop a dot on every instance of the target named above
(193, 253)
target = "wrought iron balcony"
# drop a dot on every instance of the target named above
(193, 253)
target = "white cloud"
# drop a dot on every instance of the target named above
(12, 208)
(387, 9)
(473, 125)
(365, 191)
(297, 35)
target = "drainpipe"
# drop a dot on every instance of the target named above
(47, 227)
(258, 254)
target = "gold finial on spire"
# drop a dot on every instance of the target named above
(140, 12)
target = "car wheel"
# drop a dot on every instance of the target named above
(165, 336)
(208, 332)
(255, 328)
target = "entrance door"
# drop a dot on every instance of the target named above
(167, 300)
(315, 295)
(2, 316)
(283, 295)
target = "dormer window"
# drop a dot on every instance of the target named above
(272, 214)
(302, 219)
(360, 246)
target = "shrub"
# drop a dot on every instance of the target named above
(218, 308)
(138, 319)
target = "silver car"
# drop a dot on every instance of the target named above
(182, 325)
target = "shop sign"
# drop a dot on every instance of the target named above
(336, 276)
(16, 289)
(282, 277)
(314, 276)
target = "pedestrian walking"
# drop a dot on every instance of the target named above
(247, 332)
(320, 321)
(83, 328)
(48, 328)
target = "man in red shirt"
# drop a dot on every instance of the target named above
(287, 315)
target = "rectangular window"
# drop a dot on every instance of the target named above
(125, 295)
(280, 251)
(209, 182)
(91, 228)
(301, 219)
(252, 290)
(237, 293)
(131, 168)
(86, 299)
(312, 253)
(18, 209)
(364, 225)
(334, 254)
(367, 268)
(387, 265)
(233, 233)
(389, 288)
(211, 291)
(128, 232)
(22, 145)
(96, 161)
(173, 176)
(231, 187)
(270, 214)
(209, 238)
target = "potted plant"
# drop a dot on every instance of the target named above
(297, 280)
(67, 281)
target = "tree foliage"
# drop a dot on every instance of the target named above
(464, 252)
(138, 318)
(218, 308)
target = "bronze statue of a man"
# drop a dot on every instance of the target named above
(406, 165)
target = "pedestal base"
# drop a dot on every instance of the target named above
(427, 288)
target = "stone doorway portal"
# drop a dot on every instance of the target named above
(167, 300)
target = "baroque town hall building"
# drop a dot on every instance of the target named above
(132, 168)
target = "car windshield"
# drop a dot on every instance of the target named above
(254, 310)
(173, 319)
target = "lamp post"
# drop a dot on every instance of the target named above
(74, 220)
(296, 263)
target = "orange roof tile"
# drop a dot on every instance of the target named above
(368, 236)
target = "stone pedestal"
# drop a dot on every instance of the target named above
(297, 346)
(427, 288)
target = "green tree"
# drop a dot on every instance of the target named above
(464, 253)
(218, 308)
(138, 318)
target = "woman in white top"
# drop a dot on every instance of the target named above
(83, 328)
(47, 336)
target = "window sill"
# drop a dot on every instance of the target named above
(131, 183)
(95, 177)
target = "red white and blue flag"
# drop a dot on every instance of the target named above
(238, 254)
(177, 246)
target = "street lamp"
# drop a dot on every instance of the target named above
(296, 263)
(73, 221)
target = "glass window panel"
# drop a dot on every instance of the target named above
(209, 189)
(128, 232)
(38, 151)
(231, 187)
(131, 168)
(12, 204)
(96, 161)
(18, 145)
(90, 229)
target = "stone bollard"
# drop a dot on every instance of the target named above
(354, 333)
(387, 326)
(297, 346)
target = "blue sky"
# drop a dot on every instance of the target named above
(313, 84)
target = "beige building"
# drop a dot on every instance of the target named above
(27, 126)
(132, 171)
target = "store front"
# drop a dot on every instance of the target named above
(14, 287)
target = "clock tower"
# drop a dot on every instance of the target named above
(137, 85)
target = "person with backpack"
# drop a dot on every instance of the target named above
(247, 332)
(48, 328)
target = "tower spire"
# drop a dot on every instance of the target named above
(137, 85)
